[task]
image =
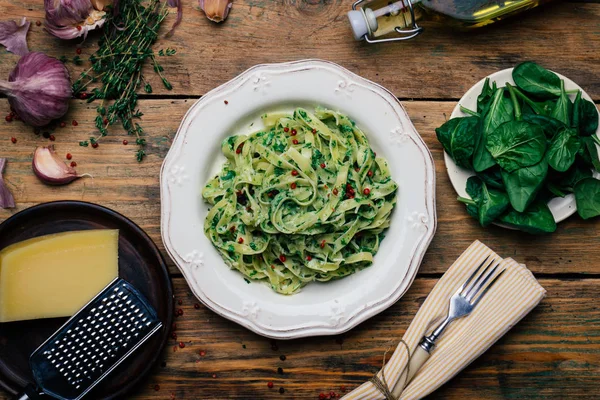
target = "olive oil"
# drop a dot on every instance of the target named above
(385, 17)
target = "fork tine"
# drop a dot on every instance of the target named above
(476, 277)
(483, 278)
(474, 274)
(487, 288)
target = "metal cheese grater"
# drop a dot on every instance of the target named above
(92, 343)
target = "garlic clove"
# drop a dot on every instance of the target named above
(216, 10)
(13, 36)
(50, 169)
(69, 19)
(6, 198)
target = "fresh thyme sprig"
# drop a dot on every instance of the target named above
(116, 69)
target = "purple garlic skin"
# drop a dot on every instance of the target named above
(70, 19)
(6, 198)
(38, 89)
(13, 36)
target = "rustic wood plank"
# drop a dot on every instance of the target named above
(554, 353)
(437, 65)
(122, 184)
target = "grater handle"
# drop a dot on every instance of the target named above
(31, 393)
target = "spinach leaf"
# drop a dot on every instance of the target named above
(563, 107)
(576, 111)
(485, 96)
(492, 177)
(536, 80)
(588, 118)
(457, 136)
(482, 159)
(536, 219)
(489, 203)
(534, 107)
(524, 184)
(550, 125)
(587, 196)
(500, 110)
(563, 149)
(588, 153)
(566, 182)
(517, 144)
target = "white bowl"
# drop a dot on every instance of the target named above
(561, 207)
(235, 107)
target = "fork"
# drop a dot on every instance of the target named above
(461, 304)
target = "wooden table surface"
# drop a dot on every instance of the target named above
(553, 353)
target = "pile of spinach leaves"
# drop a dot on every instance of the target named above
(526, 144)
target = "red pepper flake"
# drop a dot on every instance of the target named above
(173, 335)
(294, 172)
(95, 145)
(63, 124)
(308, 258)
(239, 149)
(321, 396)
(73, 164)
(13, 139)
(335, 192)
(105, 121)
(343, 389)
(294, 141)
(181, 345)
(180, 302)
(180, 312)
(332, 394)
(370, 173)
(282, 258)
(286, 129)
(78, 51)
(226, 102)
(270, 385)
(214, 375)
(202, 353)
(8, 118)
(197, 306)
(241, 240)
(74, 123)
(232, 229)
(52, 138)
(174, 326)
(366, 191)
(156, 387)
(248, 208)
(125, 142)
(83, 96)
(38, 23)
(272, 267)
(79, 27)
(322, 244)
(293, 185)
(69, 156)
(174, 348)
(294, 132)
(314, 130)
(322, 165)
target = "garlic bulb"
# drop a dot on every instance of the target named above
(69, 19)
(38, 89)
(216, 10)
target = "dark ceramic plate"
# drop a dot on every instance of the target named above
(140, 263)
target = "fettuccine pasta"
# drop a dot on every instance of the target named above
(305, 199)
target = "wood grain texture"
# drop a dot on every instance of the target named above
(119, 182)
(553, 353)
(440, 64)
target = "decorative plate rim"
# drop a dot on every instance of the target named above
(245, 318)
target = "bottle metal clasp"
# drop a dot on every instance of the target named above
(364, 21)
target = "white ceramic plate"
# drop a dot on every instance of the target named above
(234, 108)
(561, 208)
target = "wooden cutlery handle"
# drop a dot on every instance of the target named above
(416, 362)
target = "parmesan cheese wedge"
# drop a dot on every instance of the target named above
(56, 275)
